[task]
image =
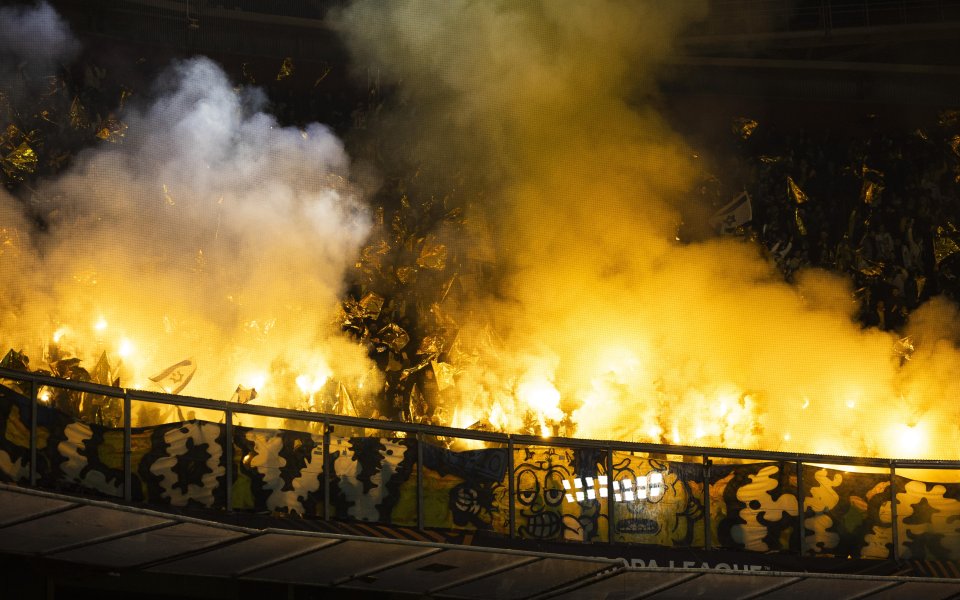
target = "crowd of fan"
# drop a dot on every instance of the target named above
(879, 206)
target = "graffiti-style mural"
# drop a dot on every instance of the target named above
(658, 502)
(928, 519)
(846, 514)
(559, 494)
(557, 497)
(278, 471)
(467, 489)
(754, 506)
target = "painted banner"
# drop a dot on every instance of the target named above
(559, 494)
(657, 501)
(754, 506)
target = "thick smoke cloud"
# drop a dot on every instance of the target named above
(602, 312)
(207, 231)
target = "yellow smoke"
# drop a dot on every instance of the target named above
(551, 106)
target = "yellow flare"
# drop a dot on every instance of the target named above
(126, 348)
(101, 324)
(311, 385)
(254, 380)
(542, 397)
(59, 333)
(910, 440)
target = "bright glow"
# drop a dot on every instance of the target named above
(101, 324)
(59, 333)
(543, 399)
(125, 350)
(312, 385)
(910, 440)
(786, 437)
(806, 402)
(44, 396)
(544, 429)
(254, 380)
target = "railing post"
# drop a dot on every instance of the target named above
(511, 511)
(707, 531)
(419, 440)
(127, 434)
(33, 432)
(800, 520)
(895, 552)
(228, 453)
(327, 465)
(611, 500)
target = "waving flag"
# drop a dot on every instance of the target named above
(174, 378)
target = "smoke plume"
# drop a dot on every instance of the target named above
(602, 314)
(207, 232)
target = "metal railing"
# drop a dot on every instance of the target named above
(706, 456)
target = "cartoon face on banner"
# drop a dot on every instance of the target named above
(555, 494)
(538, 476)
(657, 502)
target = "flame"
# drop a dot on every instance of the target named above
(543, 398)
(126, 348)
(256, 380)
(910, 440)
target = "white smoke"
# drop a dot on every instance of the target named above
(208, 230)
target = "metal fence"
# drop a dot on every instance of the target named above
(516, 486)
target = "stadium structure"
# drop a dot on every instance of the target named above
(327, 505)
